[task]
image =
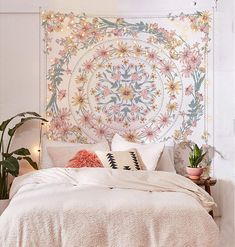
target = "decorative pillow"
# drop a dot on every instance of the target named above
(46, 161)
(149, 153)
(84, 158)
(182, 152)
(126, 160)
(61, 155)
(166, 161)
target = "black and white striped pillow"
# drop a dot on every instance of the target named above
(125, 160)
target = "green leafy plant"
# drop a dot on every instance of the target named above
(9, 160)
(196, 156)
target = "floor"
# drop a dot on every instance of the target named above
(227, 237)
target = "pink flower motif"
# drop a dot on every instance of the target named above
(56, 123)
(68, 71)
(61, 94)
(62, 53)
(192, 18)
(189, 90)
(116, 108)
(205, 39)
(152, 56)
(150, 133)
(65, 128)
(199, 96)
(119, 120)
(135, 77)
(187, 70)
(106, 91)
(85, 27)
(81, 36)
(101, 132)
(194, 60)
(181, 17)
(188, 132)
(182, 114)
(167, 68)
(116, 77)
(85, 119)
(64, 114)
(56, 61)
(134, 108)
(102, 52)
(185, 55)
(164, 120)
(204, 28)
(50, 29)
(134, 34)
(96, 34)
(88, 66)
(144, 93)
(194, 123)
(133, 119)
(116, 32)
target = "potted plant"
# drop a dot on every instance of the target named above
(196, 156)
(9, 159)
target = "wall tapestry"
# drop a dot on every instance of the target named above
(144, 78)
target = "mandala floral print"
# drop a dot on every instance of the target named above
(145, 79)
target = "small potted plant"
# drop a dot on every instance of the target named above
(196, 156)
(9, 159)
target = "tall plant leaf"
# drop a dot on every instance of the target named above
(31, 162)
(33, 113)
(21, 152)
(12, 131)
(22, 114)
(11, 164)
(6, 122)
(197, 151)
(199, 159)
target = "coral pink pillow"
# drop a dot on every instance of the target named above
(84, 158)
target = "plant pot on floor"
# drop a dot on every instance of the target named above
(194, 172)
(3, 205)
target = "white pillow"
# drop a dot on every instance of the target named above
(61, 153)
(46, 161)
(166, 161)
(149, 153)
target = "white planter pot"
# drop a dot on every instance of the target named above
(3, 205)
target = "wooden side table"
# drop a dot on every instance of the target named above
(207, 183)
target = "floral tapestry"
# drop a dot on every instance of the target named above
(144, 78)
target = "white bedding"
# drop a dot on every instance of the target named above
(98, 207)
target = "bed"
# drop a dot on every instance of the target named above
(86, 207)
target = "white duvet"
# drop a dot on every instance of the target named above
(98, 207)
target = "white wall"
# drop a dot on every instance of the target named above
(19, 72)
(224, 114)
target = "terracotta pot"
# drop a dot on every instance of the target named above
(194, 173)
(3, 205)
